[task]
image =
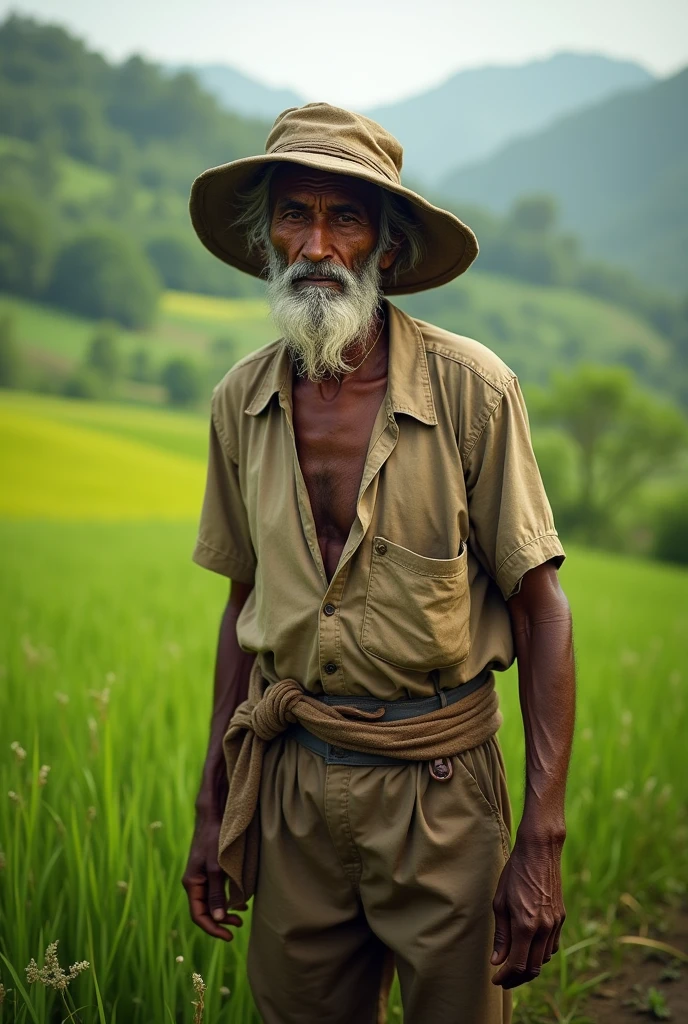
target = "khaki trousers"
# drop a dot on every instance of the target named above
(359, 864)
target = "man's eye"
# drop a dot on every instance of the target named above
(346, 218)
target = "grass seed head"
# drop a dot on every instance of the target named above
(51, 974)
(199, 1003)
(102, 701)
(43, 774)
(19, 751)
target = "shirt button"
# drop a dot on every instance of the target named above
(330, 667)
(381, 548)
(336, 752)
(329, 609)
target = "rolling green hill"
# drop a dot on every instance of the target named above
(77, 184)
(186, 325)
(242, 94)
(536, 329)
(132, 118)
(619, 171)
(63, 460)
(476, 111)
(533, 328)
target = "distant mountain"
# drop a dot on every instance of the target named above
(474, 113)
(619, 171)
(241, 94)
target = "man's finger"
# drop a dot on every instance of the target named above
(200, 916)
(538, 950)
(549, 947)
(502, 935)
(512, 973)
(217, 896)
(557, 935)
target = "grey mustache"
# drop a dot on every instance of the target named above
(306, 268)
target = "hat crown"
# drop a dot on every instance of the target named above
(320, 128)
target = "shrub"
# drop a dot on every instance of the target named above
(25, 245)
(140, 366)
(102, 273)
(182, 380)
(103, 355)
(10, 355)
(83, 383)
(176, 257)
(671, 533)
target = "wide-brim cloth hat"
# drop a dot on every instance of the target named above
(331, 139)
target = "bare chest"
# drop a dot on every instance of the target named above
(332, 430)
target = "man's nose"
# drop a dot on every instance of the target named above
(317, 244)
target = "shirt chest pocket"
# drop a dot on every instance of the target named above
(417, 610)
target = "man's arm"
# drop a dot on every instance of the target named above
(528, 906)
(203, 878)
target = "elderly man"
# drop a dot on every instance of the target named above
(373, 496)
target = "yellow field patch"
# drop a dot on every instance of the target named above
(209, 307)
(56, 470)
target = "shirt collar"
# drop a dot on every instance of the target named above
(408, 385)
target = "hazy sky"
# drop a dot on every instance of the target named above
(362, 52)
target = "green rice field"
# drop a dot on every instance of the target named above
(106, 658)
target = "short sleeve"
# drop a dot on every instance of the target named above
(224, 542)
(511, 526)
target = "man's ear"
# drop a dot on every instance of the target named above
(388, 257)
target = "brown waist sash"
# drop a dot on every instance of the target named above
(269, 710)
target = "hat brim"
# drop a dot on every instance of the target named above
(450, 245)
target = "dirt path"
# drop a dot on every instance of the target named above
(642, 971)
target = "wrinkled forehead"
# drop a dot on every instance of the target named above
(290, 181)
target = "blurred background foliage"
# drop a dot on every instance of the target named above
(115, 324)
(96, 160)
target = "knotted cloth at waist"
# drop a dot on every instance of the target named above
(269, 710)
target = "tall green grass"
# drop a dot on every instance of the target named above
(106, 658)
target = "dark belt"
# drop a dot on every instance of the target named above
(395, 711)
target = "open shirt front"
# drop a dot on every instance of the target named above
(451, 513)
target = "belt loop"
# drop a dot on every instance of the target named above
(442, 696)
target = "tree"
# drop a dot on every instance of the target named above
(671, 535)
(176, 257)
(83, 383)
(534, 214)
(103, 355)
(10, 355)
(223, 352)
(103, 273)
(140, 366)
(25, 245)
(182, 380)
(622, 436)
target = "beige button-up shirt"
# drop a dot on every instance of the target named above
(451, 513)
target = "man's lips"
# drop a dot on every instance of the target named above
(318, 280)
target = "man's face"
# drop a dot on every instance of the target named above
(324, 265)
(323, 217)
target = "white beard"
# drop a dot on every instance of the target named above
(318, 323)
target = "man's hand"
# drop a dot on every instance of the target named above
(205, 882)
(529, 910)
(528, 904)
